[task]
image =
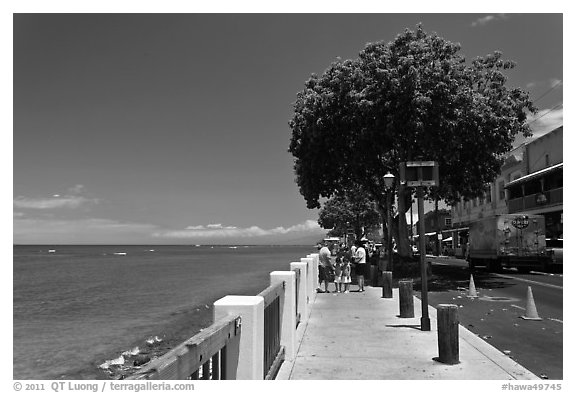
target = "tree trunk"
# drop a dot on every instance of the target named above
(402, 242)
(382, 211)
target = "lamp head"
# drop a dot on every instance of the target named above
(388, 180)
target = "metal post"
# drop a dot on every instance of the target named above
(411, 223)
(389, 207)
(424, 320)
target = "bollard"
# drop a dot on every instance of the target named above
(387, 284)
(406, 299)
(373, 275)
(447, 317)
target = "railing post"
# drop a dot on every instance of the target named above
(310, 281)
(302, 290)
(251, 350)
(316, 260)
(287, 311)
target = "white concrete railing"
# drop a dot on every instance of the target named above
(251, 310)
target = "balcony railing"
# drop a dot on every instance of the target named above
(535, 201)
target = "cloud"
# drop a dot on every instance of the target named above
(50, 230)
(543, 122)
(546, 120)
(56, 202)
(218, 231)
(553, 82)
(488, 19)
(77, 189)
(550, 84)
(82, 231)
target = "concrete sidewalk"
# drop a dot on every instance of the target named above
(359, 335)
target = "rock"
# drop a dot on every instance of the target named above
(141, 360)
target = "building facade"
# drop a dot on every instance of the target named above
(530, 182)
(540, 190)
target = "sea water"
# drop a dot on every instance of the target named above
(76, 306)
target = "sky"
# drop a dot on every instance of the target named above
(173, 128)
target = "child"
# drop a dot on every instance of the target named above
(346, 275)
(338, 268)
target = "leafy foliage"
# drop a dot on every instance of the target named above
(411, 99)
(353, 210)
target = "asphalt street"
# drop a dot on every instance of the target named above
(495, 315)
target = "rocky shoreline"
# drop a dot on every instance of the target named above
(153, 347)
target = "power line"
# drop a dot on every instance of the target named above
(541, 116)
(548, 91)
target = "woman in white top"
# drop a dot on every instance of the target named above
(360, 258)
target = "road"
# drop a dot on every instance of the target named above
(496, 314)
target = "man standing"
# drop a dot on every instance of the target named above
(324, 266)
(360, 258)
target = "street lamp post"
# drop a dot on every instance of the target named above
(421, 174)
(389, 183)
(425, 319)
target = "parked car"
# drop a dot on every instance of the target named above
(554, 248)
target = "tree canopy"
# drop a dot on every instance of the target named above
(414, 98)
(354, 211)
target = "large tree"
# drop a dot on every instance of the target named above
(352, 210)
(414, 98)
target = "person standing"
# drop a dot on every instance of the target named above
(347, 275)
(360, 258)
(338, 269)
(324, 267)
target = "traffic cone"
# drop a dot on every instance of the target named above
(531, 313)
(472, 290)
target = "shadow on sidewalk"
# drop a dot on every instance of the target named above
(416, 327)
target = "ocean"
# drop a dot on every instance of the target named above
(74, 307)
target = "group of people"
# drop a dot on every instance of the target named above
(336, 266)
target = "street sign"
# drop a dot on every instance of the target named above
(420, 173)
